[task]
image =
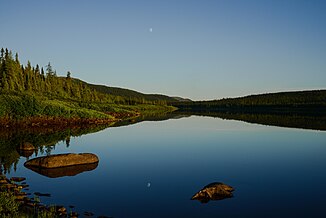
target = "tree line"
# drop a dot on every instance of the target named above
(17, 78)
(302, 102)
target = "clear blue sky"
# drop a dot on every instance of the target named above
(201, 49)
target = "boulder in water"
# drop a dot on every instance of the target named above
(63, 171)
(214, 191)
(62, 160)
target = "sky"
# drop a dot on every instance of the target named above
(204, 49)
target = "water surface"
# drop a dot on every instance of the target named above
(152, 169)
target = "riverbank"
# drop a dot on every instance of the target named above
(56, 122)
(25, 110)
(28, 111)
(16, 202)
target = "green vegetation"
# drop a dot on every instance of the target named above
(301, 102)
(302, 109)
(20, 105)
(27, 91)
(31, 94)
(8, 204)
(126, 93)
(15, 204)
(10, 208)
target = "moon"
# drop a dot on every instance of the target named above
(150, 29)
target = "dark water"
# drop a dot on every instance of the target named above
(152, 169)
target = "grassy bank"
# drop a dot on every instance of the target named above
(28, 109)
(31, 94)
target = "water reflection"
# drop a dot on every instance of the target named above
(291, 120)
(25, 153)
(177, 158)
(14, 142)
(26, 149)
(302, 121)
(151, 117)
(45, 139)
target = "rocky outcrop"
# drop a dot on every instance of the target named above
(62, 160)
(63, 171)
(214, 191)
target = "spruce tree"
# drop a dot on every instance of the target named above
(2, 54)
(68, 75)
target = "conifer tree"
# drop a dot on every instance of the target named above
(68, 75)
(17, 77)
(2, 54)
(42, 74)
(49, 71)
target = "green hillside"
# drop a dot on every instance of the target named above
(116, 91)
(30, 92)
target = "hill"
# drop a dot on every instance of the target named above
(36, 96)
(313, 102)
(116, 91)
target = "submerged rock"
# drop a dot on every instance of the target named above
(42, 194)
(88, 214)
(17, 179)
(63, 171)
(214, 191)
(62, 160)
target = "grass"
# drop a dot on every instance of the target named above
(17, 106)
(8, 206)
(11, 208)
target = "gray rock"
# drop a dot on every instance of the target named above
(62, 160)
(214, 191)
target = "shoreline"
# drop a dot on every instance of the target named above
(22, 203)
(62, 122)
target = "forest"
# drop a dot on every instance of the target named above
(34, 94)
(299, 102)
(31, 91)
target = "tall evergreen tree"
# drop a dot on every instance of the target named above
(17, 77)
(49, 71)
(2, 54)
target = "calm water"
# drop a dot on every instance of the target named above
(152, 169)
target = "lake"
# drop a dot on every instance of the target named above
(153, 168)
